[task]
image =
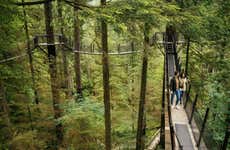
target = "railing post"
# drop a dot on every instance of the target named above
(162, 131)
(187, 96)
(60, 39)
(132, 46)
(203, 126)
(91, 47)
(35, 41)
(118, 48)
(193, 108)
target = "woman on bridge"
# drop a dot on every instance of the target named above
(183, 84)
(175, 89)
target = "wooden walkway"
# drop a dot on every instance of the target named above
(182, 129)
(177, 123)
(180, 121)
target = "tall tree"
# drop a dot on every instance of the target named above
(53, 69)
(105, 62)
(64, 54)
(132, 96)
(77, 48)
(30, 56)
(141, 124)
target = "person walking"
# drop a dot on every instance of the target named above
(182, 84)
(175, 90)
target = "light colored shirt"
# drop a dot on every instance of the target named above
(184, 84)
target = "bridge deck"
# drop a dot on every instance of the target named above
(179, 117)
(182, 129)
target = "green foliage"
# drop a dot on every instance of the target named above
(83, 123)
(27, 140)
(206, 22)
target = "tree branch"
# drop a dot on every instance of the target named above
(72, 4)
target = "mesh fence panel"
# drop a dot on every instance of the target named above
(207, 141)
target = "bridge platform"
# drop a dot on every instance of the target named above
(182, 129)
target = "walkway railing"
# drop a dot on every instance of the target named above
(154, 140)
(201, 131)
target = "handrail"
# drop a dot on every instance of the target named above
(169, 109)
(154, 137)
(100, 53)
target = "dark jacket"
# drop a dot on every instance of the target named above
(173, 84)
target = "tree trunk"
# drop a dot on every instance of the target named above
(77, 48)
(105, 62)
(30, 56)
(140, 141)
(64, 55)
(53, 70)
(132, 59)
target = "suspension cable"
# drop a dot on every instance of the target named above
(100, 53)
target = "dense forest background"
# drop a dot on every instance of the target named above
(26, 106)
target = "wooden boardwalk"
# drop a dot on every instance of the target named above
(182, 129)
(183, 132)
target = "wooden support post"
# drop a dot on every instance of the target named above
(59, 39)
(35, 41)
(193, 109)
(132, 46)
(187, 96)
(118, 48)
(203, 126)
(187, 58)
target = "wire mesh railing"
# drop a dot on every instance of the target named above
(202, 133)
